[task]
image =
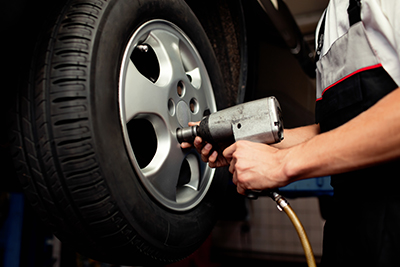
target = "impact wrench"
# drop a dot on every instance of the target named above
(258, 121)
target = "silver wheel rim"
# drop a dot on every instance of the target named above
(163, 85)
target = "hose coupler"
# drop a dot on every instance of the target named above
(280, 200)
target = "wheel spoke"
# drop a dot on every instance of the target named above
(141, 95)
(195, 77)
(166, 47)
(163, 174)
(194, 181)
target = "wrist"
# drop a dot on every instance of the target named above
(294, 163)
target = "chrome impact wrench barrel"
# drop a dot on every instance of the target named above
(258, 121)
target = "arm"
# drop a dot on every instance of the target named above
(369, 139)
(292, 137)
(298, 135)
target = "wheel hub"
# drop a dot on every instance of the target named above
(183, 113)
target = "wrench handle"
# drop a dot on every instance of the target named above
(253, 194)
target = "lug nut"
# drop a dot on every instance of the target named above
(143, 48)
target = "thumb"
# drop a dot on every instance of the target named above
(228, 152)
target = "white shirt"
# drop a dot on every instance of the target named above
(381, 19)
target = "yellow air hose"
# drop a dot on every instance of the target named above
(284, 205)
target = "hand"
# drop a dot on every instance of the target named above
(215, 159)
(255, 166)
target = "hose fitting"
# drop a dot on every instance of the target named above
(280, 200)
(283, 205)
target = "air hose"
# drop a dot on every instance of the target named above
(283, 204)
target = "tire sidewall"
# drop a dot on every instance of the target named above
(178, 233)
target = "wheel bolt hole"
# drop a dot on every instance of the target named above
(194, 105)
(184, 174)
(180, 89)
(144, 154)
(145, 60)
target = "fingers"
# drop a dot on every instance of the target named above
(191, 123)
(234, 177)
(186, 145)
(239, 187)
(228, 152)
(213, 157)
(198, 143)
(205, 152)
(204, 149)
(232, 166)
(241, 190)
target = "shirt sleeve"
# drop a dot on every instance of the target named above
(391, 10)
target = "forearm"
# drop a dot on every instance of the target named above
(293, 137)
(369, 139)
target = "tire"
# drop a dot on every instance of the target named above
(95, 143)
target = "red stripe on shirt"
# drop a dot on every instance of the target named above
(348, 76)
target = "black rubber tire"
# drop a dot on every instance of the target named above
(69, 149)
